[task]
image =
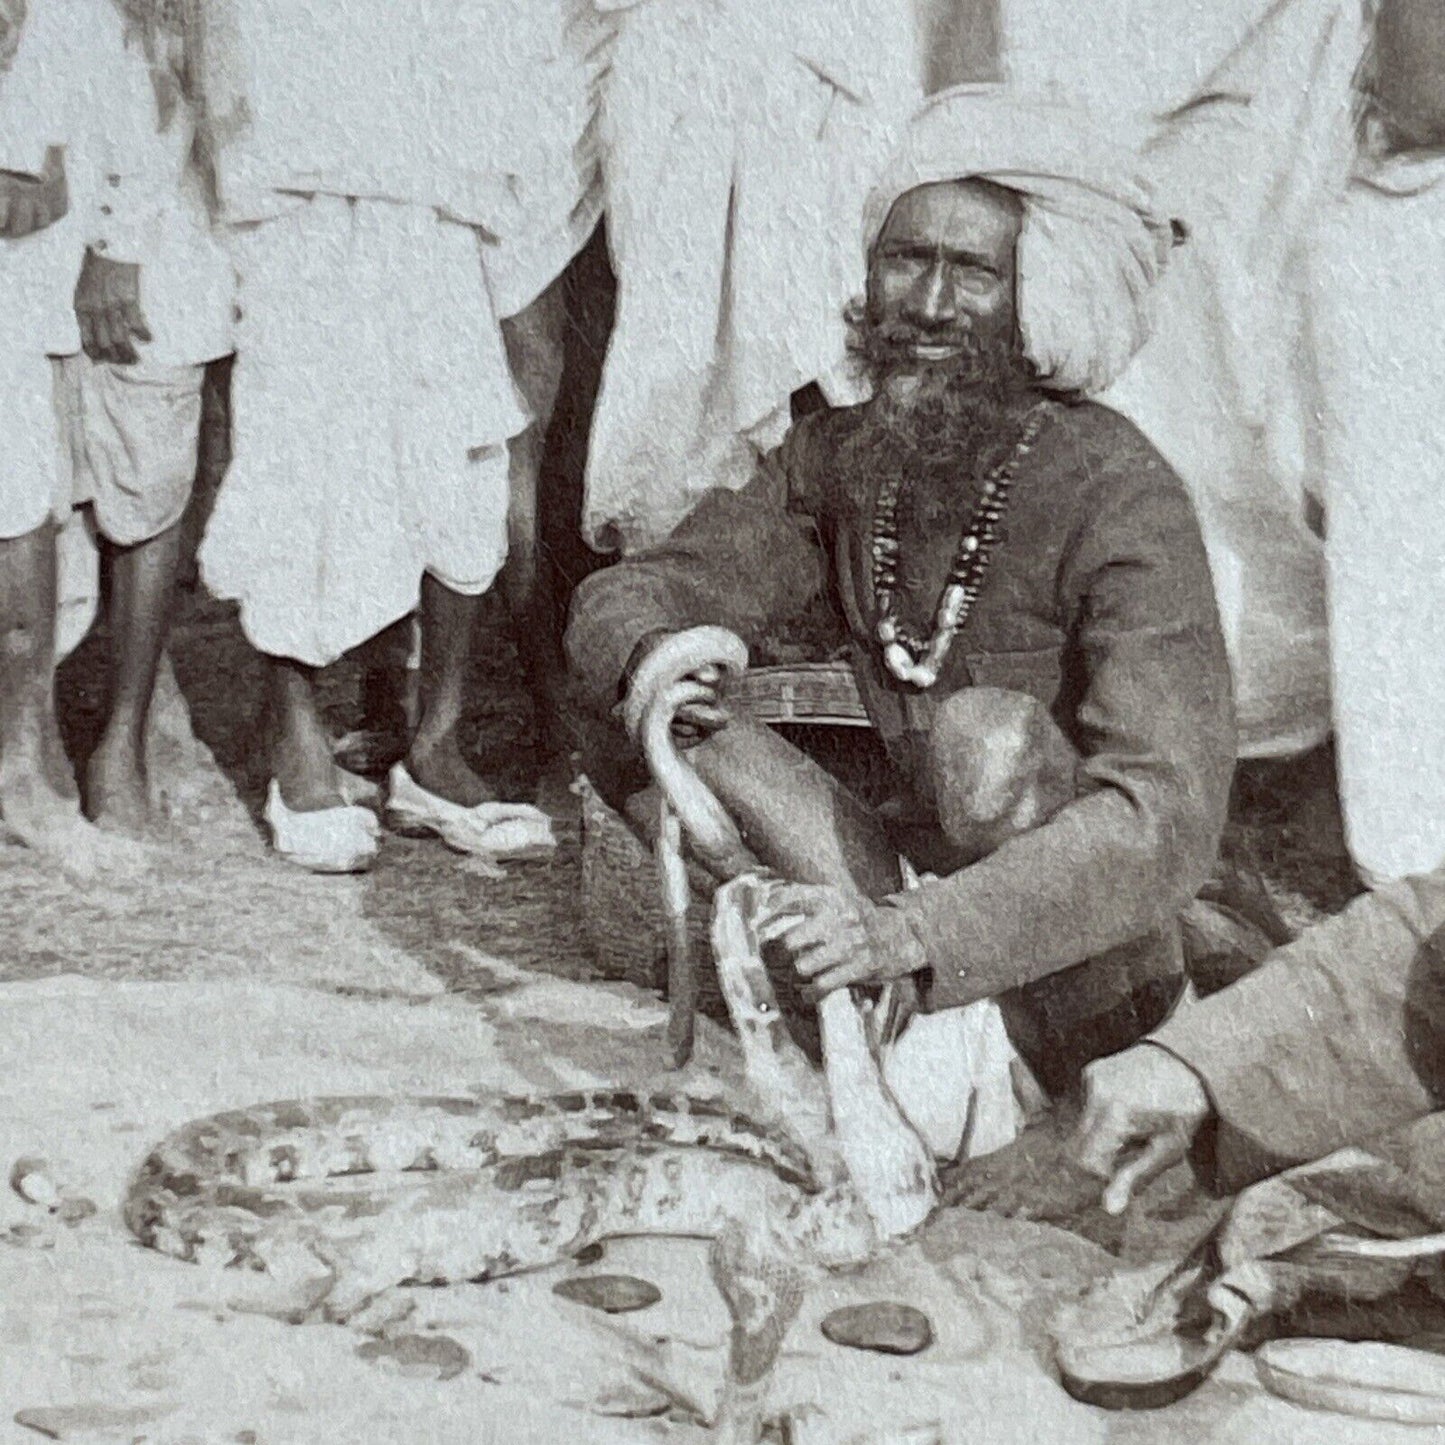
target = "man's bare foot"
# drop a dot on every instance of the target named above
(51, 826)
(117, 793)
(304, 770)
(1034, 1178)
(441, 769)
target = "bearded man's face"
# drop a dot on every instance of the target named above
(940, 312)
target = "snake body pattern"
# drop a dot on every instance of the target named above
(379, 1191)
(348, 1197)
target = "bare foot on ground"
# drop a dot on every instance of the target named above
(51, 826)
(444, 771)
(117, 794)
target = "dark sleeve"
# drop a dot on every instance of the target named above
(1155, 729)
(743, 560)
(1338, 1037)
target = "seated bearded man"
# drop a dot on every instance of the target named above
(1033, 627)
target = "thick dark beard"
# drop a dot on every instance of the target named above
(959, 418)
(940, 438)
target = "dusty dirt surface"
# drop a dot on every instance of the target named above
(223, 975)
(216, 903)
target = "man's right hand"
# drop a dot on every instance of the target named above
(1142, 1109)
(696, 720)
(672, 657)
(31, 203)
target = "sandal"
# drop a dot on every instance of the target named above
(487, 830)
(329, 840)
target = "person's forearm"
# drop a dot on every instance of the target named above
(1101, 872)
(1335, 1038)
(739, 562)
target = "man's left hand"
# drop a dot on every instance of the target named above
(838, 939)
(107, 306)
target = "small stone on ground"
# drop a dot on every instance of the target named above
(613, 1294)
(885, 1327)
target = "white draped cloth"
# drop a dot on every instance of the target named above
(740, 138)
(74, 82)
(371, 404)
(1301, 361)
(1194, 389)
(1312, 342)
(68, 61)
(1378, 344)
(1220, 390)
(479, 109)
(394, 184)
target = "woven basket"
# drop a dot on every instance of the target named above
(622, 908)
(622, 898)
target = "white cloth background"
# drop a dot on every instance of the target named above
(1220, 387)
(371, 405)
(1378, 342)
(740, 139)
(1196, 389)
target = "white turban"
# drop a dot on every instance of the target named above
(1092, 243)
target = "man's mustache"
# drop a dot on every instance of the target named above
(905, 336)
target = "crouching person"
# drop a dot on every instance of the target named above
(1032, 620)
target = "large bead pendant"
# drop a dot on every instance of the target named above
(901, 664)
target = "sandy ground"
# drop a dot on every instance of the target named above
(223, 977)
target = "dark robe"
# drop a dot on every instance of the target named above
(1099, 603)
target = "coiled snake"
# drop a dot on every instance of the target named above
(345, 1198)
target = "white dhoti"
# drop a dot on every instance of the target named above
(738, 151)
(37, 278)
(1379, 346)
(130, 438)
(371, 407)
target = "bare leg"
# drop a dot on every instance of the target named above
(142, 588)
(794, 815)
(536, 352)
(301, 760)
(38, 797)
(449, 620)
(534, 341)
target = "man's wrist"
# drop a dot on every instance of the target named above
(892, 932)
(1197, 1083)
(645, 644)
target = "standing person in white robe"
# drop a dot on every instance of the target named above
(1376, 313)
(117, 434)
(154, 302)
(739, 141)
(1203, 391)
(370, 169)
(1324, 132)
(39, 257)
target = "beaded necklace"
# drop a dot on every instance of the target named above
(909, 658)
